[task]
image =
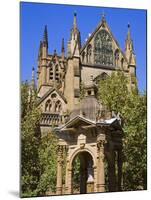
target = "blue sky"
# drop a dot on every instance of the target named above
(59, 20)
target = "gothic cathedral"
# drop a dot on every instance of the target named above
(82, 128)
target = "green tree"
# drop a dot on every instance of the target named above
(116, 96)
(135, 143)
(48, 164)
(30, 140)
(38, 154)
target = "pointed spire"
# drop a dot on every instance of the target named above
(45, 36)
(129, 41)
(129, 33)
(75, 20)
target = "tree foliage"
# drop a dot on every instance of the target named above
(38, 154)
(115, 94)
(48, 164)
(30, 140)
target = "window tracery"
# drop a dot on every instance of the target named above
(103, 50)
(58, 106)
(48, 106)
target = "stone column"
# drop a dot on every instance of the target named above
(68, 179)
(59, 170)
(111, 171)
(100, 167)
(119, 160)
(68, 175)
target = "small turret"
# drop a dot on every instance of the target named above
(129, 52)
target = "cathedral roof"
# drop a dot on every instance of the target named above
(102, 24)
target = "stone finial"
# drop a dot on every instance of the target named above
(55, 52)
(75, 20)
(103, 16)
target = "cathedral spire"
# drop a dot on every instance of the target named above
(129, 42)
(45, 36)
(75, 21)
(129, 50)
(74, 43)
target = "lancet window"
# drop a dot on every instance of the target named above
(48, 106)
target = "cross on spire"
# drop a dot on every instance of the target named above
(103, 16)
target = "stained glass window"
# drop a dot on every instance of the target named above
(103, 52)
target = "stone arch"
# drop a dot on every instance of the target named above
(79, 150)
(88, 174)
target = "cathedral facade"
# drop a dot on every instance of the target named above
(60, 77)
(80, 123)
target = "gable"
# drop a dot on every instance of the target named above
(102, 48)
(54, 99)
(77, 121)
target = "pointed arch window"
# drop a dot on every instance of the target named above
(58, 106)
(116, 55)
(83, 56)
(103, 50)
(122, 62)
(89, 53)
(48, 106)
